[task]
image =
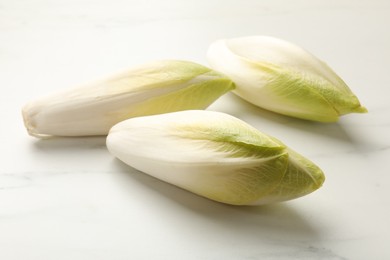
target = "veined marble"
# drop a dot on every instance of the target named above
(68, 198)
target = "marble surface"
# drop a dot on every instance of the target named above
(68, 198)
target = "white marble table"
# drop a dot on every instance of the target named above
(68, 198)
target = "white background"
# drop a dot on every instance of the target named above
(68, 198)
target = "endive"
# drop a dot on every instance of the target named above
(279, 76)
(214, 155)
(153, 88)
